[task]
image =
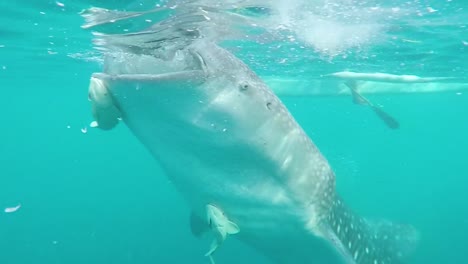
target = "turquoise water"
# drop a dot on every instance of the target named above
(91, 196)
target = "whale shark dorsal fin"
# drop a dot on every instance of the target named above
(198, 226)
(231, 228)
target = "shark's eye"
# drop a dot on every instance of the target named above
(268, 105)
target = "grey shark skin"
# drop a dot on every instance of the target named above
(224, 138)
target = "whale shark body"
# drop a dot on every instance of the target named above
(233, 151)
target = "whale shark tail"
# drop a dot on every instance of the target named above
(364, 241)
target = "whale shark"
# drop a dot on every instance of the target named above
(241, 161)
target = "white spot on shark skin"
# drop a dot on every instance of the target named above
(350, 245)
(375, 261)
(367, 250)
(286, 162)
(356, 254)
(338, 229)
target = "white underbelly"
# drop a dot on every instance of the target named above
(230, 176)
(241, 152)
(269, 219)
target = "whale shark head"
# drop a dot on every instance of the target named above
(224, 138)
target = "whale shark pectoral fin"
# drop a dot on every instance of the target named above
(197, 225)
(104, 111)
(231, 228)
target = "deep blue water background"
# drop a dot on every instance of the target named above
(99, 197)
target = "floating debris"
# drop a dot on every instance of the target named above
(12, 209)
(60, 4)
(84, 130)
